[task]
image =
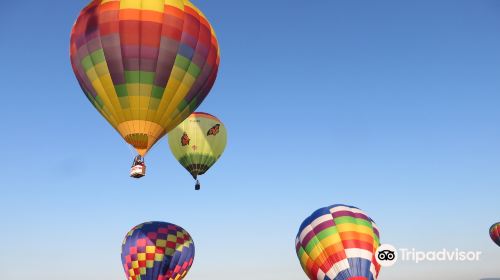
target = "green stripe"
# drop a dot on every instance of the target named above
(320, 236)
(194, 70)
(301, 252)
(351, 220)
(182, 62)
(191, 105)
(98, 56)
(157, 92)
(327, 232)
(197, 159)
(143, 77)
(93, 59)
(98, 100)
(121, 90)
(312, 243)
(87, 63)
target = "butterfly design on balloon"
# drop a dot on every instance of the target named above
(214, 130)
(185, 140)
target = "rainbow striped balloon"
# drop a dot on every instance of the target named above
(495, 233)
(338, 243)
(145, 65)
(157, 251)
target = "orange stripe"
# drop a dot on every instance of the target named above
(191, 11)
(351, 235)
(109, 6)
(335, 249)
(173, 11)
(205, 22)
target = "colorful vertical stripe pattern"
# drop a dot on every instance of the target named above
(338, 243)
(198, 142)
(157, 251)
(495, 233)
(145, 65)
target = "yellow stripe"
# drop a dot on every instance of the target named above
(176, 3)
(354, 228)
(150, 5)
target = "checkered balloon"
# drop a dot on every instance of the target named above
(157, 251)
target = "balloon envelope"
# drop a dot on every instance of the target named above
(495, 233)
(337, 243)
(198, 142)
(145, 65)
(157, 251)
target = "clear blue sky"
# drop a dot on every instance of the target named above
(391, 106)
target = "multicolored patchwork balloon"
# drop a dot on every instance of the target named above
(157, 251)
(338, 243)
(145, 65)
(495, 233)
(198, 142)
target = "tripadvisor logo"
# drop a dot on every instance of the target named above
(443, 255)
(387, 255)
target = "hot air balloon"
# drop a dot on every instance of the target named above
(495, 233)
(198, 142)
(338, 243)
(145, 65)
(157, 251)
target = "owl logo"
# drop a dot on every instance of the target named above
(214, 130)
(185, 139)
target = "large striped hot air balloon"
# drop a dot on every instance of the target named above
(495, 233)
(198, 142)
(157, 251)
(145, 65)
(338, 243)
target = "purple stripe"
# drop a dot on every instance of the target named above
(134, 51)
(203, 83)
(82, 52)
(166, 61)
(94, 44)
(130, 51)
(188, 39)
(148, 65)
(149, 52)
(199, 58)
(317, 229)
(112, 51)
(205, 89)
(308, 237)
(131, 64)
(324, 225)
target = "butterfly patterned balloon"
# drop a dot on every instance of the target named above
(198, 142)
(495, 233)
(157, 251)
(145, 65)
(338, 243)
